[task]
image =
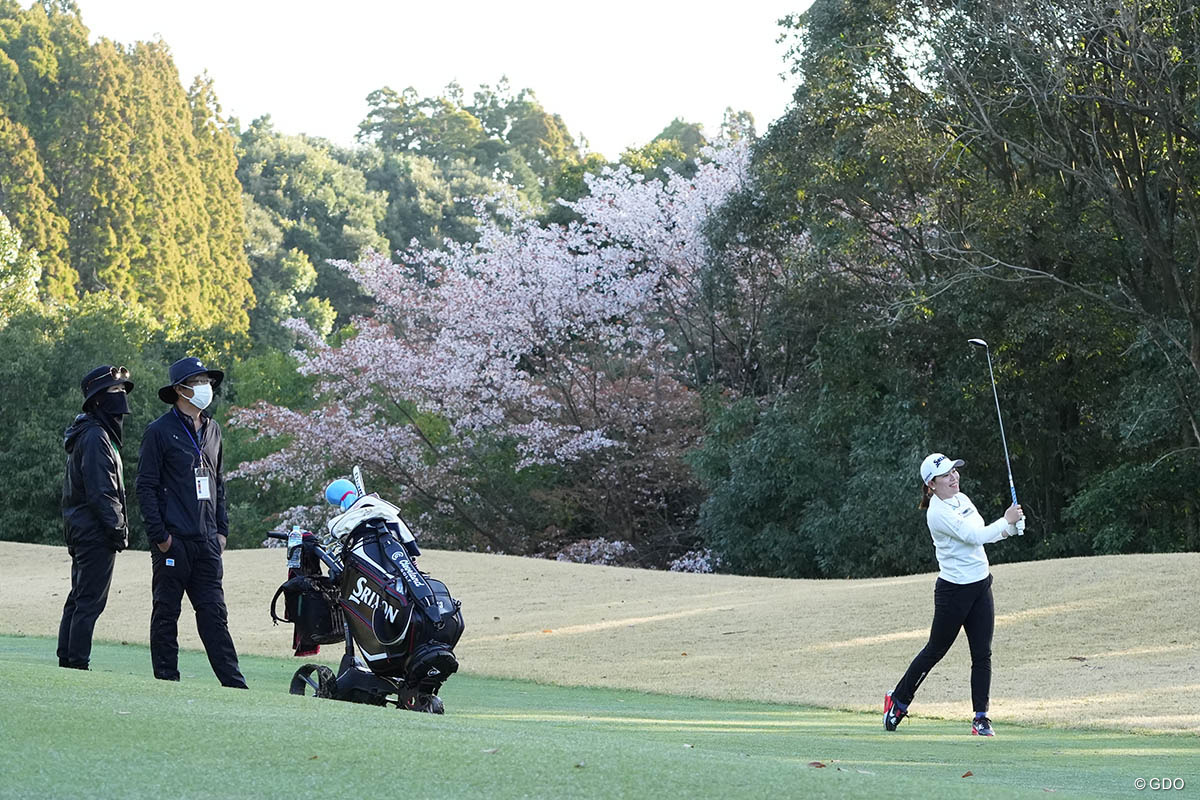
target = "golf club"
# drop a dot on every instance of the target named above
(1007, 464)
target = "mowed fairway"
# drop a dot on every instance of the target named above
(1111, 642)
(1086, 650)
(117, 733)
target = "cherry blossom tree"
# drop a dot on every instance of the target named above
(561, 358)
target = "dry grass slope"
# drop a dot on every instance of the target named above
(1110, 642)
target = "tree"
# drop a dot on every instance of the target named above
(122, 182)
(29, 198)
(737, 125)
(1105, 101)
(225, 288)
(540, 352)
(501, 137)
(688, 135)
(88, 152)
(24, 191)
(425, 202)
(19, 272)
(434, 127)
(49, 350)
(306, 203)
(923, 225)
(675, 150)
(539, 138)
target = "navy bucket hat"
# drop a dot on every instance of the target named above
(183, 369)
(103, 378)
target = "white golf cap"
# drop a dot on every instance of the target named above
(937, 464)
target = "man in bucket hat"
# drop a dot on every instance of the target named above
(182, 496)
(93, 507)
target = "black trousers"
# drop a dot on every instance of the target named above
(956, 606)
(193, 567)
(91, 575)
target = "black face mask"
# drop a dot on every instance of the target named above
(111, 408)
(113, 403)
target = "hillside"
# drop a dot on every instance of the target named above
(1111, 642)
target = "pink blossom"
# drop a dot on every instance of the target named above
(571, 343)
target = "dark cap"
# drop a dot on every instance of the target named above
(103, 378)
(183, 369)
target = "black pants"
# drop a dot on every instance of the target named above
(968, 606)
(91, 575)
(192, 566)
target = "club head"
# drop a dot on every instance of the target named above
(978, 343)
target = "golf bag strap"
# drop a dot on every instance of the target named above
(287, 585)
(393, 552)
(300, 644)
(275, 618)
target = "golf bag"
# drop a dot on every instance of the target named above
(399, 624)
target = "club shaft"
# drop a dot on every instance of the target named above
(1012, 488)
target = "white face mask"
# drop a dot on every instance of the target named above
(202, 395)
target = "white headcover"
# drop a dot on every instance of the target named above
(369, 506)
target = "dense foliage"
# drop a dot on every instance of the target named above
(1021, 172)
(728, 357)
(120, 179)
(548, 351)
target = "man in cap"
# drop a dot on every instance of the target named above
(182, 497)
(93, 507)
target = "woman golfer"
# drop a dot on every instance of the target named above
(962, 597)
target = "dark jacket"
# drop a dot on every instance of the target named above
(166, 479)
(93, 498)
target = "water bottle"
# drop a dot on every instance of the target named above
(295, 540)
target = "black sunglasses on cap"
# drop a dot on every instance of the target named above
(115, 373)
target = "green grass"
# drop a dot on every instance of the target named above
(115, 732)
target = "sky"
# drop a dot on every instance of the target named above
(616, 71)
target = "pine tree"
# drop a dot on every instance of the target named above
(28, 200)
(87, 158)
(25, 195)
(225, 284)
(170, 192)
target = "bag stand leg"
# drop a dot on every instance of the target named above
(317, 677)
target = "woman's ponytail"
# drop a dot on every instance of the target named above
(926, 493)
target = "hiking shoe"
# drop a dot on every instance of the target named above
(982, 726)
(892, 714)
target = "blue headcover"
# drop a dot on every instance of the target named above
(341, 493)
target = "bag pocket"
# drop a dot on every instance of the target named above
(310, 603)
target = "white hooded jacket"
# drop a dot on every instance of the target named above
(959, 535)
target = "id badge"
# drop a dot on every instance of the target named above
(203, 490)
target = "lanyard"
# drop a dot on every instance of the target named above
(191, 436)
